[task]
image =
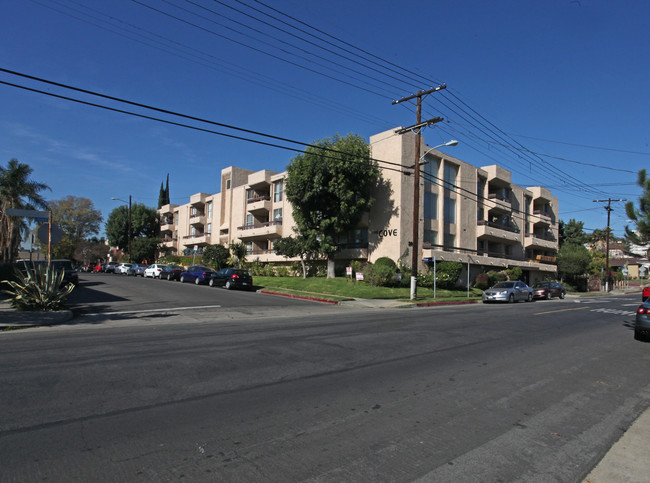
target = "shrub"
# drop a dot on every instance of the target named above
(447, 274)
(385, 261)
(40, 288)
(514, 273)
(482, 281)
(283, 271)
(379, 275)
(496, 277)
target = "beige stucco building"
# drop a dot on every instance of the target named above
(469, 214)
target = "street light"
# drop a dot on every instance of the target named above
(415, 255)
(129, 233)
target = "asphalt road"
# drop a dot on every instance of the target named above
(524, 392)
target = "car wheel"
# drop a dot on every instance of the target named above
(197, 281)
(530, 297)
(169, 277)
(562, 295)
(511, 298)
(211, 282)
(182, 279)
(548, 295)
(228, 285)
(639, 336)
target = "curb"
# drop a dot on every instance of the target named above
(450, 302)
(301, 297)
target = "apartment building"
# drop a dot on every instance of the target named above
(473, 215)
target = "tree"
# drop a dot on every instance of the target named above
(238, 251)
(144, 248)
(572, 232)
(215, 255)
(573, 260)
(292, 247)
(163, 196)
(330, 187)
(640, 236)
(17, 191)
(144, 224)
(78, 219)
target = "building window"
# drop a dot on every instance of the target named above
(431, 170)
(450, 242)
(208, 230)
(228, 184)
(480, 189)
(450, 210)
(249, 247)
(480, 214)
(277, 214)
(431, 236)
(277, 191)
(451, 171)
(430, 205)
(193, 231)
(209, 210)
(249, 220)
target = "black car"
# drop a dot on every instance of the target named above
(172, 272)
(232, 278)
(548, 290)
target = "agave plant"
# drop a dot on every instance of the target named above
(39, 288)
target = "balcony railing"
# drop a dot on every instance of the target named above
(260, 225)
(500, 226)
(255, 199)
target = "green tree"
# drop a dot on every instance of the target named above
(292, 247)
(144, 249)
(144, 224)
(163, 196)
(572, 232)
(330, 187)
(215, 256)
(641, 217)
(17, 191)
(78, 219)
(238, 252)
(573, 260)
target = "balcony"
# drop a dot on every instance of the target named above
(260, 231)
(497, 232)
(541, 218)
(259, 205)
(167, 210)
(198, 219)
(498, 202)
(200, 239)
(260, 179)
(535, 240)
(199, 199)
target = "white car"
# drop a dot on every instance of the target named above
(122, 268)
(154, 270)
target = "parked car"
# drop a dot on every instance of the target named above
(196, 274)
(109, 267)
(137, 269)
(645, 294)
(98, 267)
(154, 270)
(642, 322)
(548, 290)
(172, 272)
(70, 271)
(232, 278)
(508, 292)
(122, 268)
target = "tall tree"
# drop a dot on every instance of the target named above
(144, 224)
(330, 187)
(19, 192)
(572, 232)
(291, 247)
(78, 219)
(641, 235)
(161, 196)
(167, 190)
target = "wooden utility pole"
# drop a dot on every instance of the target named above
(417, 127)
(609, 211)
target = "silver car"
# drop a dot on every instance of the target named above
(508, 292)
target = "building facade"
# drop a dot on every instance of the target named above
(473, 215)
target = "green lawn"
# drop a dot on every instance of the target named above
(345, 288)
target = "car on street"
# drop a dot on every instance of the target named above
(508, 292)
(548, 290)
(645, 294)
(99, 267)
(137, 269)
(109, 267)
(197, 274)
(172, 272)
(154, 270)
(642, 322)
(232, 278)
(122, 268)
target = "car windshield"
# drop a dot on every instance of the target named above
(504, 285)
(541, 285)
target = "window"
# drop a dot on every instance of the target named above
(430, 205)
(277, 214)
(431, 236)
(228, 184)
(450, 210)
(480, 184)
(480, 214)
(431, 170)
(450, 242)
(249, 220)
(249, 247)
(451, 171)
(277, 191)
(208, 230)
(209, 206)
(193, 231)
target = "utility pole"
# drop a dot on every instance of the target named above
(417, 127)
(130, 233)
(609, 211)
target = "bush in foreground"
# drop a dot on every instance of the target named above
(40, 288)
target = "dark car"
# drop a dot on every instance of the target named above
(196, 274)
(109, 267)
(137, 269)
(642, 322)
(172, 272)
(548, 290)
(70, 275)
(232, 278)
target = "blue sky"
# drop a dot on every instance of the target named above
(554, 91)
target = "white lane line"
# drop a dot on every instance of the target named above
(614, 311)
(171, 309)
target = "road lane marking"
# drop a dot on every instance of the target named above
(170, 309)
(562, 310)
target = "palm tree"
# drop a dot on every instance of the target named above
(19, 192)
